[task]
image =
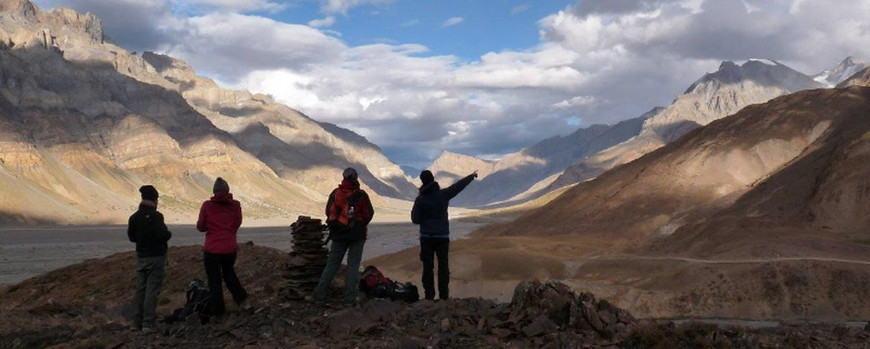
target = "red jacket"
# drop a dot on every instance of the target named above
(364, 211)
(220, 218)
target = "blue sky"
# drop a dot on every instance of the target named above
(478, 77)
(485, 26)
(466, 29)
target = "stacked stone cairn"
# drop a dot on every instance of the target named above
(307, 257)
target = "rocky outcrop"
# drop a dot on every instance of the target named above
(538, 307)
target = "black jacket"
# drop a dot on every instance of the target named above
(430, 208)
(147, 229)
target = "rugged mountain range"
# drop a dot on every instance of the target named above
(589, 152)
(796, 161)
(761, 214)
(85, 122)
(712, 97)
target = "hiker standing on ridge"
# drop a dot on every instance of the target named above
(148, 230)
(348, 213)
(430, 212)
(220, 218)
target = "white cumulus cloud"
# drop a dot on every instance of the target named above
(599, 61)
(326, 22)
(452, 21)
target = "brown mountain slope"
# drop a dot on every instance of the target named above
(861, 78)
(753, 162)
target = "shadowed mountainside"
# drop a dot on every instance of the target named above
(85, 123)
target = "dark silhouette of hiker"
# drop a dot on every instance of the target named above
(148, 230)
(430, 212)
(348, 213)
(220, 218)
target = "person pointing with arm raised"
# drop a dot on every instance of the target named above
(430, 212)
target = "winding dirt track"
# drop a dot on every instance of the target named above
(728, 261)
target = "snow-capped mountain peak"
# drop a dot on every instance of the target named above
(839, 73)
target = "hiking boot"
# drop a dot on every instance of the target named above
(245, 305)
(315, 300)
(216, 319)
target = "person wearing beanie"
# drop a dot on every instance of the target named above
(220, 218)
(348, 213)
(430, 212)
(148, 230)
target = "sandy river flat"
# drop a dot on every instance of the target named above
(29, 251)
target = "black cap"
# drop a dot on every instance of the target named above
(350, 174)
(149, 192)
(220, 186)
(426, 177)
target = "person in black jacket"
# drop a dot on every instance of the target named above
(430, 212)
(148, 230)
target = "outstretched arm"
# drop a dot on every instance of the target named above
(457, 187)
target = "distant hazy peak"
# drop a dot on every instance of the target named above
(763, 72)
(841, 72)
(445, 155)
(455, 165)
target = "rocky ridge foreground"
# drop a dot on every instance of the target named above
(83, 123)
(84, 305)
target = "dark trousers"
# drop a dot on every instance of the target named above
(222, 267)
(149, 273)
(354, 250)
(429, 249)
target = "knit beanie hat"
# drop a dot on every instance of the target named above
(220, 186)
(426, 177)
(149, 192)
(349, 174)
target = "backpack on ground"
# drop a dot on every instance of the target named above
(344, 218)
(374, 284)
(196, 303)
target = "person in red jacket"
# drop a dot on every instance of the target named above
(220, 218)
